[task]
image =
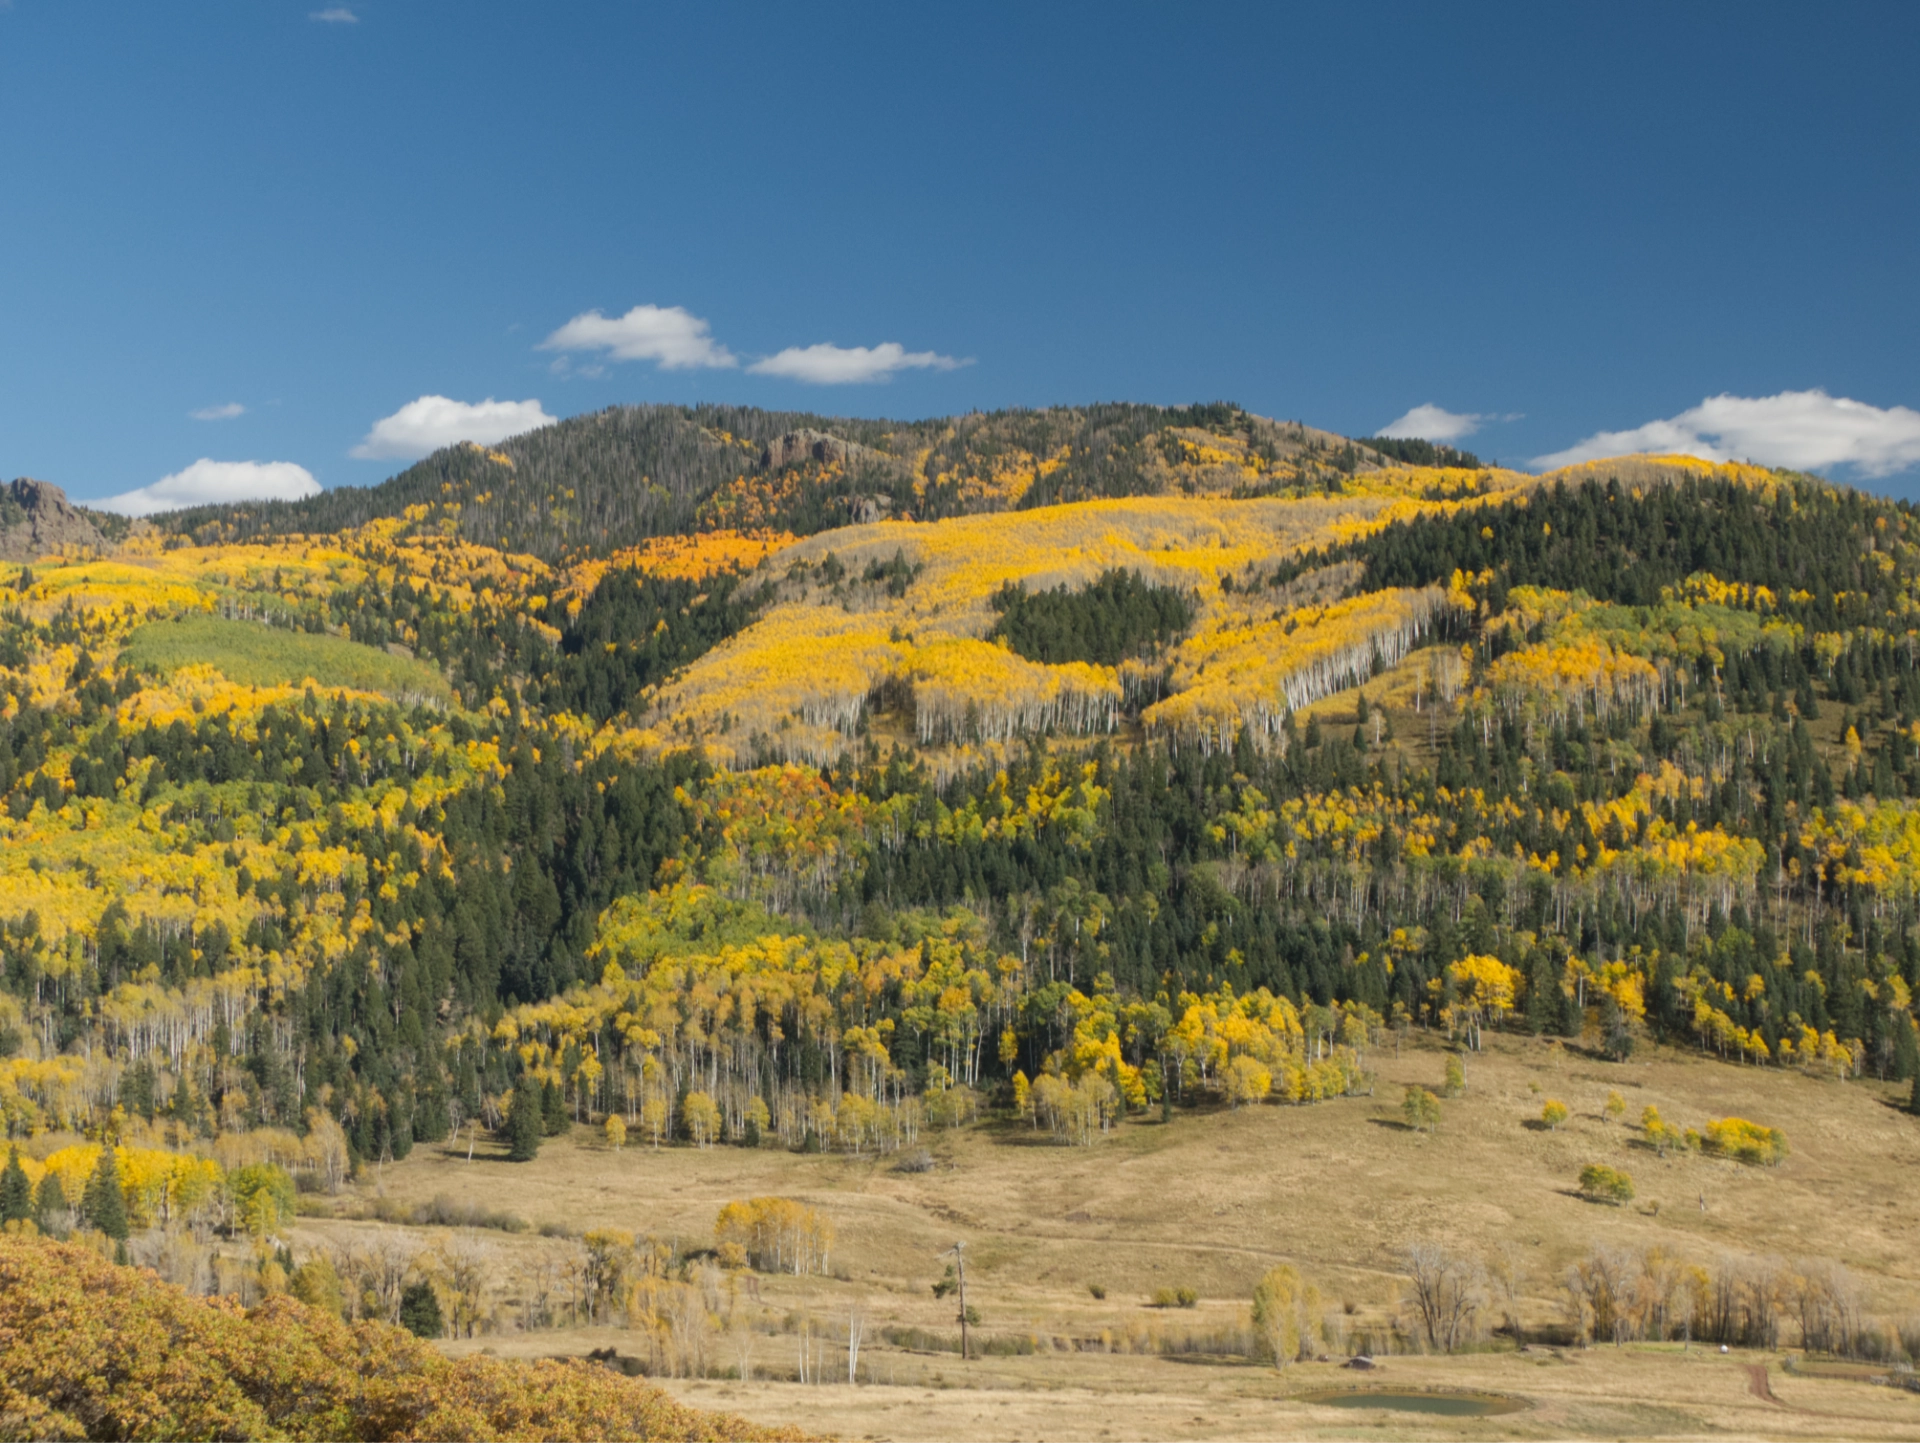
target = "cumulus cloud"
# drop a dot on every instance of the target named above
(217, 414)
(429, 423)
(670, 336)
(824, 362)
(1805, 430)
(1436, 424)
(208, 481)
(334, 15)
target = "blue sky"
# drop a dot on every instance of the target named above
(1566, 221)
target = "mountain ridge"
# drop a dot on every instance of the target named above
(609, 479)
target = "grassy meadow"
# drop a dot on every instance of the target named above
(1208, 1202)
(259, 655)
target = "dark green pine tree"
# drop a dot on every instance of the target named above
(1913, 1102)
(16, 1196)
(400, 1124)
(524, 1121)
(182, 1107)
(420, 1310)
(553, 1109)
(101, 1204)
(50, 1206)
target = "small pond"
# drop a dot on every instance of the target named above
(1445, 1405)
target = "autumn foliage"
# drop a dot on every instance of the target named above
(90, 1350)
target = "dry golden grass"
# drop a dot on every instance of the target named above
(1211, 1200)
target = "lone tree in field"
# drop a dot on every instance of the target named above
(1287, 1315)
(1554, 1114)
(1446, 1292)
(1660, 1136)
(1606, 1184)
(1421, 1108)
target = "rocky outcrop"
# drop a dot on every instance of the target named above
(820, 447)
(876, 509)
(36, 519)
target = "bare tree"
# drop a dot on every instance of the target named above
(1825, 1304)
(1446, 1291)
(1506, 1270)
(378, 1265)
(1600, 1291)
(743, 1336)
(856, 1331)
(687, 1325)
(464, 1265)
(543, 1276)
(327, 1144)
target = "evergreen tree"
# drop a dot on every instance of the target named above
(16, 1197)
(182, 1109)
(137, 1089)
(420, 1310)
(399, 1124)
(102, 1205)
(553, 1109)
(1913, 1102)
(50, 1206)
(524, 1121)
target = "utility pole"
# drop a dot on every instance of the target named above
(960, 1264)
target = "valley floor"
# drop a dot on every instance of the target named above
(1209, 1202)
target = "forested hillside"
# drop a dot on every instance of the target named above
(612, 479)
(1116, 806)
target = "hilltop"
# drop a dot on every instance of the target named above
(612, 479)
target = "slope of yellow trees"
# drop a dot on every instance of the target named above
(797, 683)
(1240, 672)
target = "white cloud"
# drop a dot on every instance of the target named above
(429, 423)
(1808, 430)
(824, 362)
(217, 414)
(334, 15)
(1436, 424)
(671, 336)
(210, 482)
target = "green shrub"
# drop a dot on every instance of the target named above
(1606, 1184)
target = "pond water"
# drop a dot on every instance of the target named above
(1446, 1405)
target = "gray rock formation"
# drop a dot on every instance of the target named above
(36, 519)
(820, 447)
